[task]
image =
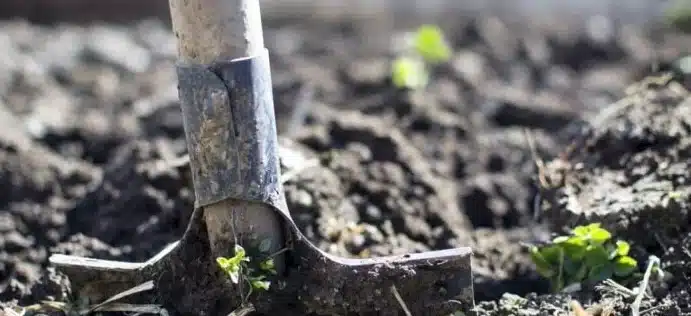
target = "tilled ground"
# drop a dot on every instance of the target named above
(91, 140)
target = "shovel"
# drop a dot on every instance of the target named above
(227, 108)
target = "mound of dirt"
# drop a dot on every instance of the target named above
(629, 167)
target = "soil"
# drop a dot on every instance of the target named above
(92, 150)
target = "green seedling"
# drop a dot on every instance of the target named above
(409, 72)
(431, 44)
(427, 46)
(588, 255)
(239, 270)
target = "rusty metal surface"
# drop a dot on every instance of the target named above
(187, 282)
(229, 121)
(429, 283)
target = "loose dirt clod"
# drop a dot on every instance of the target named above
(629, 167)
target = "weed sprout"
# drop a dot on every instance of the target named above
(587, 255)
(427, 47)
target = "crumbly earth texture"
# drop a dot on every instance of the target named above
(92, 151)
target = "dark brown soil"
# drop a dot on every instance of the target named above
(628, 170)
(92, 139)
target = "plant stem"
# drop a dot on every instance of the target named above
(636, 306)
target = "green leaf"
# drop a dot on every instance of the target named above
(230, 267)
(624, 266)
(542, 266)
(623, 248)
(592, 226)
(431, 44)
(223, 263)
(408, 72)
(560, 239)
(581, 231)
(258, 283)
(552, 254)
(240, 253)
(575, 247)
(571, 267)
(596, 255)
(599, 235)
(234, 274)
(268, 266)
(580, 274)
(600, 273)
(557, 283)
(574, 271)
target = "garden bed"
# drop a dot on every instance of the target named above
(92, 140)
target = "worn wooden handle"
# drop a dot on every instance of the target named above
(209, 30)
(221, 30)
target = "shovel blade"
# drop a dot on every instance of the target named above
(429, 283)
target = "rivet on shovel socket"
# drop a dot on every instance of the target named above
(227, 106)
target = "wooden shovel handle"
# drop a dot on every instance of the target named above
(221, 30)
(211, 30)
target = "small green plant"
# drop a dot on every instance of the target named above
(588, 255)
(427, 46)
(408, 72)
(238, 268)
